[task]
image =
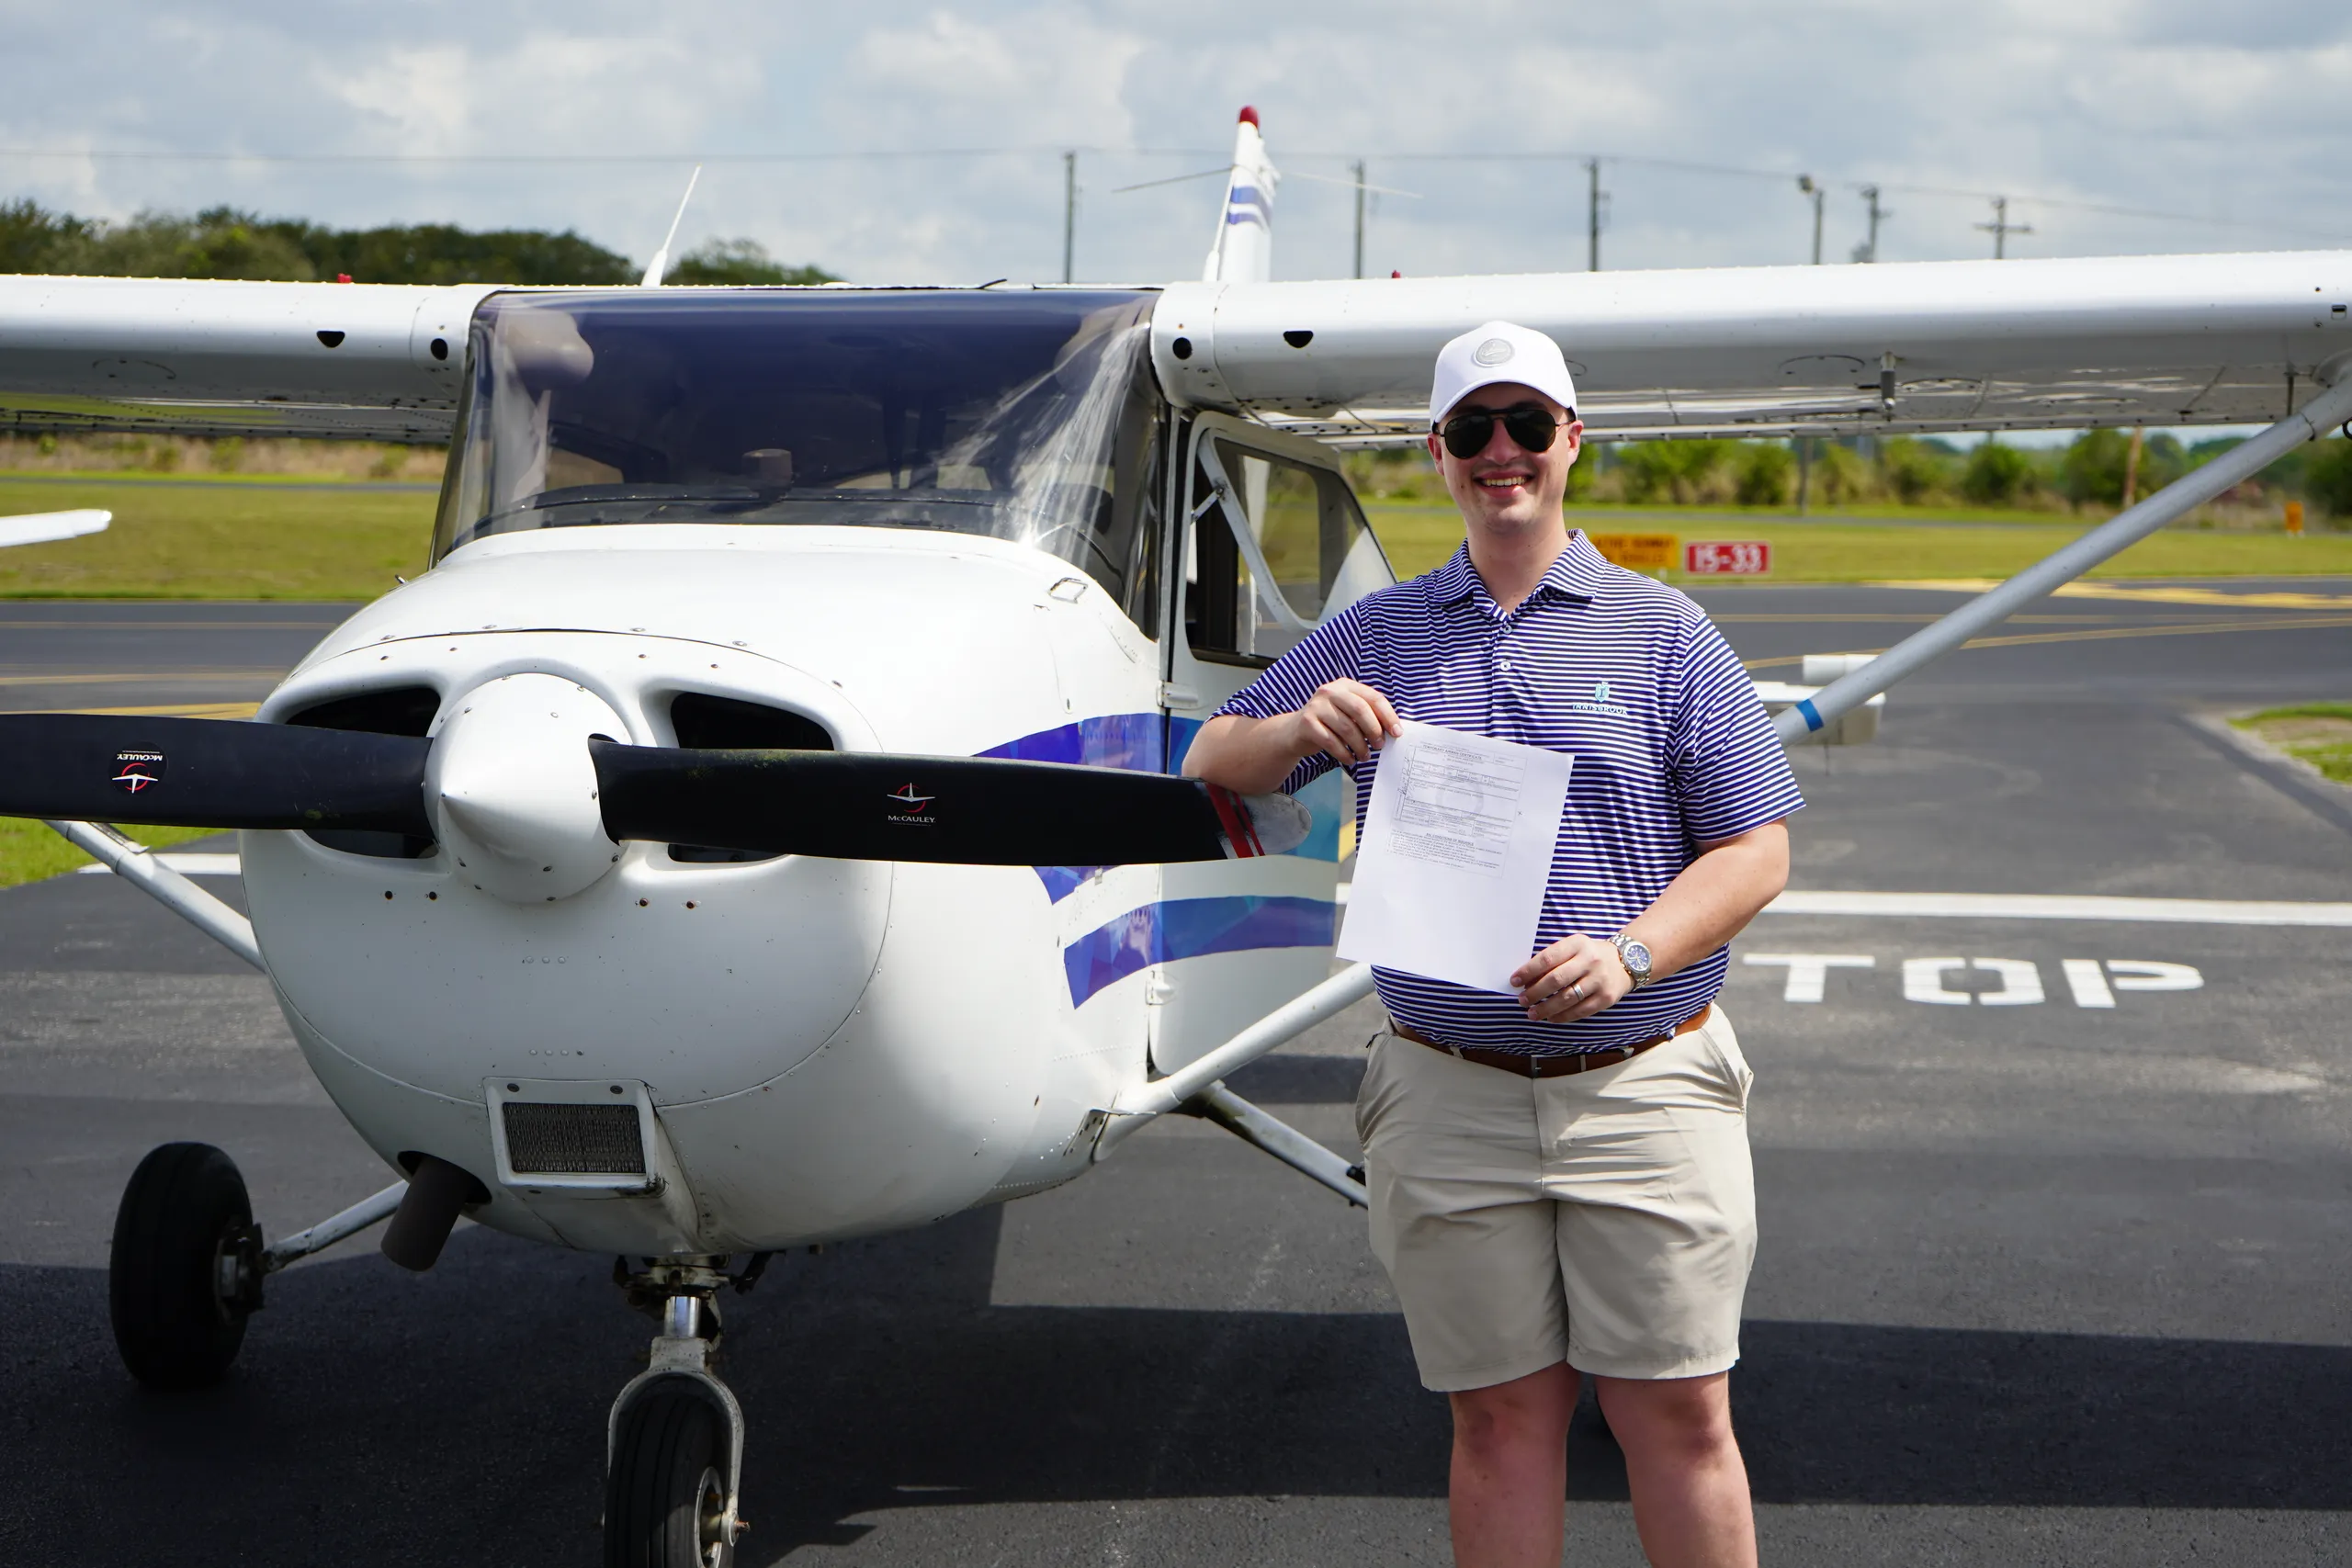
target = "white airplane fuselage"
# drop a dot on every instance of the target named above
(825, 1048)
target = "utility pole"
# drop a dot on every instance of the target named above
(2001, 228)
(1070, 215)
(1812, 188)
(1359, 168)
(1592, 215)
(1867, 250)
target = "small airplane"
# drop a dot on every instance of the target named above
(762, 825)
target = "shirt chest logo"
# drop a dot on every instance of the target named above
(1601, 703)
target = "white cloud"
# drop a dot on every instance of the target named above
(2172, 105)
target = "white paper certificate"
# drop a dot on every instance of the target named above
(1456, 847)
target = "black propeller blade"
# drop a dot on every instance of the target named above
(959, 810)
(210, 773)
(199, 772)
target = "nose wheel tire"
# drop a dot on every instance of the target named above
(665, 1499)
(185, 1270)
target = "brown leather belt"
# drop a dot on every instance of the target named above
(1557, 1065)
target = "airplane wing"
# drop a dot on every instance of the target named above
(42, 527)
(1735, 351)
(1793, 350)
(201, 357)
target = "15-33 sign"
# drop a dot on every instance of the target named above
(1728, 557)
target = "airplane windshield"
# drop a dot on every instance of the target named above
(1030, 415)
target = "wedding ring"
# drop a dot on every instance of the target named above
(1576, 990)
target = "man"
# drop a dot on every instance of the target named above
(1559, 1179)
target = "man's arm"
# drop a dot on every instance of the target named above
(1346, 720)
(1704, 907)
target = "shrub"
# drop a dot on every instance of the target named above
(2092, 470)
(1912, 470)
(2327, 477)
(1841, 476)
(740, 261)
(1677, 468)
(1997, 475)
(1763, 474)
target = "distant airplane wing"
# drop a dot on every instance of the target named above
(41, 527)
(201, 358)
(1794, 350)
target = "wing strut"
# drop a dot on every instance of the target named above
(144, 870)
(1196, 1089)
(2126, 527)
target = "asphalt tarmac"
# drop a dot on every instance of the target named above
(2040, 1282)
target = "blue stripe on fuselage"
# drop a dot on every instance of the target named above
(1192, 928)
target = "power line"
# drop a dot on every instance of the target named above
(884, 154)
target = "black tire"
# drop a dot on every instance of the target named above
(184, 1208)
(668, 1485)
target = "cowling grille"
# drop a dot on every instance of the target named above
(573, 1139)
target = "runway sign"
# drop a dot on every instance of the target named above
(1637, 552)
(1728, 557)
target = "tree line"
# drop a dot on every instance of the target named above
(2091, 472)
(223, 241)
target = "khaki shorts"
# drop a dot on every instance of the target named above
(1605, 1218)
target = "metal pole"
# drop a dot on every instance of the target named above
(1138, 1103)
(1070, 215)
(2126, 527)
(1592, 214)
(1869, 253)
(1817, 194)
(1358, 217)
(136, 864)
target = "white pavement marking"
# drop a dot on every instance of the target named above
(186, 865)
(2020, 982)
(2143, 975)
(1923, 981)
(2083, 979)
(1809, 972)
(2062, 907)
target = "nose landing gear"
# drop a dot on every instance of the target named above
(673, 1466)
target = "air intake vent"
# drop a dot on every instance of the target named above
(394, 710)
(702, 722)
(598, 1140)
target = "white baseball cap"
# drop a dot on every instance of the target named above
(1500, 352)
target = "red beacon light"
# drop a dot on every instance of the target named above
(1249, 115)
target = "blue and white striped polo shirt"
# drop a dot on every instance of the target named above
(1627, 675)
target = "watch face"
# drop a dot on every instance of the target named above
(1637, 957)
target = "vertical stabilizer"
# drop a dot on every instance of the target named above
(1244, 251)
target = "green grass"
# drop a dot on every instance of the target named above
(186, 541)
(1418, 538)
(248, 541)
(2317, 733)
(29, 851)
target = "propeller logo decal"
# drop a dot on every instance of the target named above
(913, 807)
(135, 770)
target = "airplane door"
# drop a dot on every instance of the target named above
(1268, 541)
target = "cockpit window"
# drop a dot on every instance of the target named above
(1029, 415)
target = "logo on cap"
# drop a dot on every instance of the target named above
(1494, 351)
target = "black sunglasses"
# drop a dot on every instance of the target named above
(1530, 424)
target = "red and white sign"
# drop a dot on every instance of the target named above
(1728, 557)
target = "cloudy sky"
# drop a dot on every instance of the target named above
(918, 143)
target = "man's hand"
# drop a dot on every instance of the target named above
(1347, 721)
(1571, 979)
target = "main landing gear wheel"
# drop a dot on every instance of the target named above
(187, 1267)
(665, 1498)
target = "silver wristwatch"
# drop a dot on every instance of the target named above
(1633, 956)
